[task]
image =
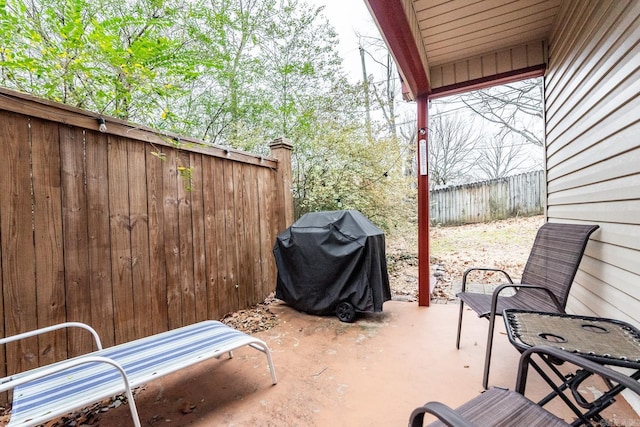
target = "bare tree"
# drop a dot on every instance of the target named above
(500, 156)
(516, 108)
(452, 143)
(408, 136)
(387, 87)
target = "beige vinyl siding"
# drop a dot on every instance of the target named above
(592, 95)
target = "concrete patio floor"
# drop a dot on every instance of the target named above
(373, 372)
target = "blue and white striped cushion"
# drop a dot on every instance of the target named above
(143, 360)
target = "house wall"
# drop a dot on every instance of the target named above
(592, 98)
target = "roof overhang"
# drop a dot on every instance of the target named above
(393, 22)
(447, 47)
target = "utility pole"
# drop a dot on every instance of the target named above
(365, 83)
(391, 98)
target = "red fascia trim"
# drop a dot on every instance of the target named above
(483, 82)
(394, 26)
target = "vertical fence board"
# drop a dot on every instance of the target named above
(172, 241)
(264, 180)
(139, 230)
(185, 227)
(266, 245)
(99, 249)
(199, 239)
(120, 228)
(221, 237)
(157, 257)
(271, 228)
(47, 216)
(18, 267)
(210, 233)
(229, 295)
(243, 269)
(5, 191)
(76, 239)
(252, 234)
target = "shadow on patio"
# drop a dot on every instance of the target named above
(373, 372)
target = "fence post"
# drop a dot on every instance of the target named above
(281, 150)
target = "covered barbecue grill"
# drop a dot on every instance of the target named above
(332, 263)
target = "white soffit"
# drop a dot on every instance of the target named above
(473, 39)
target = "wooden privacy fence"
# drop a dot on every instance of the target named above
(95, 227)
(488, 200)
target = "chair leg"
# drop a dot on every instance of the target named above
(459, 324)
(487, 357)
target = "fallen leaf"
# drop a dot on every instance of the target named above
(187, 407)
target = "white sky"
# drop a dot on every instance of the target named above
(349, 17)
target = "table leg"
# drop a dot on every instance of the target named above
(572, 382)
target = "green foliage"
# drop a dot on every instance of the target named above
(230, 72)
(337, 166)
(121, 59)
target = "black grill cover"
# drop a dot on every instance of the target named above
(326, 258)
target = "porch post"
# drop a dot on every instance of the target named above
(424, 274)
(281, 150)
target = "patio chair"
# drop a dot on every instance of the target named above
(546, 279)
(503, 407)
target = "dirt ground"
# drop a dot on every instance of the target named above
(503, 244)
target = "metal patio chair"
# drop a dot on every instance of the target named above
(499, 406)
(546, 280)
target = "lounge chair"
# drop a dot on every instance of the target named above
(498, 406)
(44, 393)
(546, 280)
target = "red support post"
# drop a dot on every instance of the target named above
(424, 273)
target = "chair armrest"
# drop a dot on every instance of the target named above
(469, 270)
(440, 410)
(596, 368)
(13, 381)
(40, 331)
